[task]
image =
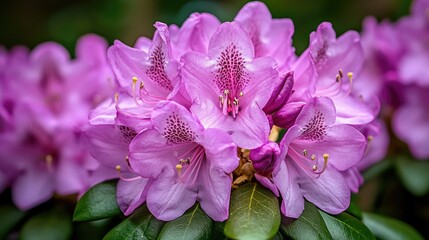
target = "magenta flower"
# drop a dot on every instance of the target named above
(229, 86)
(44, 136)
(337, 63)
(411, 121)
(315, 154)
(108, 140)
(194, 35)
(185, 163)
(270, 37)
(149, 76)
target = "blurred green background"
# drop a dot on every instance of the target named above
(30, 22)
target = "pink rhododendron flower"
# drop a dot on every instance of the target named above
(411, 121)
(185, 163)
(229, 86)
(270, 37)
(315, 153)
(396, 58)
(43, 142)
(337, 63)
(190, 96)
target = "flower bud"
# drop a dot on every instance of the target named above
(264, 158)
(282, 90)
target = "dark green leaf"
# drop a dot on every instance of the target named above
(52, 225)
(278, 236)
(345, 226)
(354, 210)
(310, 225)
(414, 174)
(9, 217)
(140, 225)
(217, 231)
(194, 224)
(98, 203)
(254, 213)
(387, 228)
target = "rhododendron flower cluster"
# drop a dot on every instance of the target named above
(45, 98)
(395, 69)
(198, 109)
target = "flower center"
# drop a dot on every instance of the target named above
(230, 78)
(338, 88)
(189, 164)
(309, 162)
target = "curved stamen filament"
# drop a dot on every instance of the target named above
(118, 169)
(190, 165)
(297, 156)
(336, 89)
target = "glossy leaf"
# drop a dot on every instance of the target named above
(414, 175)
(217, 231)
(9, 217)
(387, 228)
(99, 202)
(310, 225)
(254, 213)
(194, 224)
(52, 225)
(354, 210)
(345, 226)
(140, 225)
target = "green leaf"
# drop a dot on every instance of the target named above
(217, 231)
(278, 236)
(414, 174)
(9, 217)
(387, 228)
(194, 224)
(254, 213)
(140, 225)
(310, 225)
(97, 203)
(345, 226)
(53, 225)
(354, 210)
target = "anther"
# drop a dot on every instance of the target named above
(179, 169)
(49, 159)
(338, 78)
(241, 94)
(134, 79)
(235, 101)
(313, 157)
(116, 98)
(350, 75)
(370, 138)
(340, 72)
(141, 85)
(325, 157)
(118, 169)
(314, 168)
(305, 152)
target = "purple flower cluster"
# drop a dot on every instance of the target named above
(45, 98)
(195, 105)
(395, 69)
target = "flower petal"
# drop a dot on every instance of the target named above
(293, 201)
(131, 194)
(167, 198)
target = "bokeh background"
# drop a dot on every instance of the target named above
(30, 22)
